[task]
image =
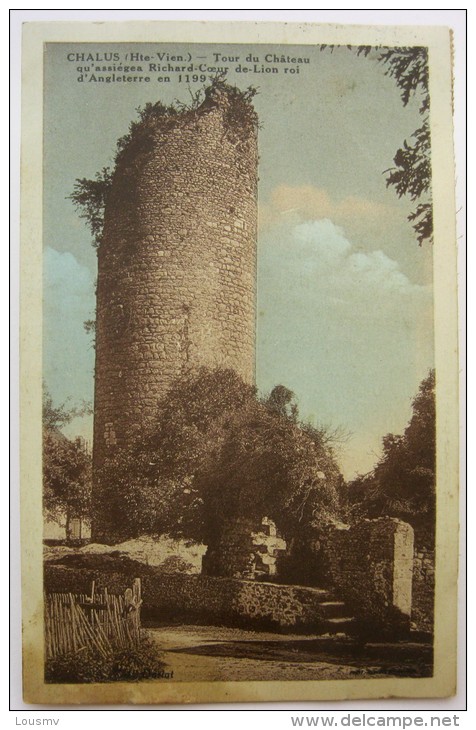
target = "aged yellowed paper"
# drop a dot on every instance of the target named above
(239, 367)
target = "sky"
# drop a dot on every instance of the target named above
(344, 310)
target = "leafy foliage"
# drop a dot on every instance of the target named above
(269, 466)
(411, 176)
(149, 488)
(423, 217)
(66, 466)
(280, 400)
(240, 116)
(89, 326)
(87, 665)
(141, 131)
(412, 172)
(216, 451)
(66, 477)
(408, 66)
(54, 417)
(90, 198)
(403, 482)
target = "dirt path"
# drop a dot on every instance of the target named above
(206, 653)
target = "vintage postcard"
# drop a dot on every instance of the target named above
(239, 363)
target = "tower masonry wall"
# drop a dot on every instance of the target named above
(176, 264)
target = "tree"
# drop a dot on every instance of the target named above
(268, 465)
(412, 172)
(411, 175)
(66, 468)
(150, 486)
(403, 483)
(55, 417)
(217, 452)
(90, 198)
(281, 400)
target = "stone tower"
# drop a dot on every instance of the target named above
(176, 264)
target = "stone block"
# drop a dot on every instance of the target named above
(371, 563)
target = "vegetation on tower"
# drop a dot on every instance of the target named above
(90, 196)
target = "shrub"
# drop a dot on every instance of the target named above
(87, 665)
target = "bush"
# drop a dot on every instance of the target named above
(87, 665)
(216, 452)
(403, 482)
(140, 663)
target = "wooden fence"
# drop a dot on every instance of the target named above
(101, 621)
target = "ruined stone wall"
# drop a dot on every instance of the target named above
(205, 599)
(244, 548)
(176, 265)
(423, 589)
(371, 565)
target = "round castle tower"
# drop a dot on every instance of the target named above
(176, 264)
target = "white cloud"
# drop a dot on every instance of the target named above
(318, 255)
(344, 328)
(321, 240)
